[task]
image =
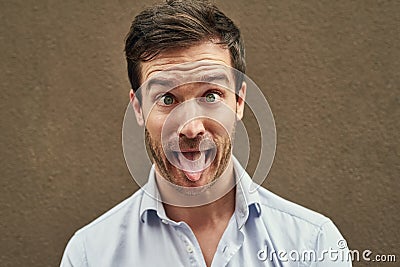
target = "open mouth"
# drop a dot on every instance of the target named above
(193, 163)
(193, 155)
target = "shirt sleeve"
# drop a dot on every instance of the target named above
(331, 248)
(74, 254)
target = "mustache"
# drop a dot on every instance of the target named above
(182, 143)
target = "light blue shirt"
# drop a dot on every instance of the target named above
(265, 230)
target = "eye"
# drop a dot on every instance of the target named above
(166, 100)
(212, 97)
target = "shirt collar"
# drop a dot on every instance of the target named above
(151, 198)
(246, 197)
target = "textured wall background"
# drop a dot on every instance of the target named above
(330, 70)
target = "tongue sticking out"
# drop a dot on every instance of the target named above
(193, 164)
(193, 176)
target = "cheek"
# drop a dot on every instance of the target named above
(220, 129)
(224, 117)
(154, 125)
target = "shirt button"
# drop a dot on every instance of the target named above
(164, 221)
(189, 249)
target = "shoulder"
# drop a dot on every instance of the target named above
(292, 228)
(109, 223)
(95, 238)
(117, 214)
(283, 209)
(295, 226)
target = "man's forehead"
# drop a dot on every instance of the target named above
(200, 71)
(198, 54)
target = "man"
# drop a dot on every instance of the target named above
(186, 64)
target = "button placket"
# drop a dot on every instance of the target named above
(232, 243)
(188, 246)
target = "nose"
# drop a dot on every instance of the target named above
(192, 129)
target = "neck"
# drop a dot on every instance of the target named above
(209, 214)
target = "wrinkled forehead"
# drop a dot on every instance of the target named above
(193, 72)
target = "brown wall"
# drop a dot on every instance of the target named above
(329, 69)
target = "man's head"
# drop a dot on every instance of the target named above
(182, 57)
(180, 24)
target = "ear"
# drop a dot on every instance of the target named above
(137, 108)
(240, 103)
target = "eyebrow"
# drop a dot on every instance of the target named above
(159, 81)
(215, 77)
(206, 78)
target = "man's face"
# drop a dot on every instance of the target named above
(189, 111)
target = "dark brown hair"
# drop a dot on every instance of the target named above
(180, 24)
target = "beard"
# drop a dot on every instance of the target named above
(175, 174)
